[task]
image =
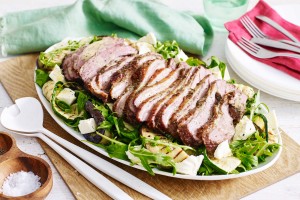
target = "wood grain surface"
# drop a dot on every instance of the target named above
(16, 76)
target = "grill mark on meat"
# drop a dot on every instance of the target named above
(188, 126)
(102, 58)
(140, 79)
(100, 84)
(221, 125)
(122, 79)
(189, 102)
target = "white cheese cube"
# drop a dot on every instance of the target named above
(144, 47)
(56, 74)
(217, 73)
(149, 38)
(244, 129)
(67, 95)
(180, 57)
(223, 150)
(190, 165)
(87, 126)
(228, 164)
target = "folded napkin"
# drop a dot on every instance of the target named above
(236, 30)
(35, 30)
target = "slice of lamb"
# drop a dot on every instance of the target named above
(170, 107)
(119, 104)
(188, 125)
(102, 58)
(122, 79)
(68, 64)
(150, 91)
(140, 78)
(73, 62)
(221, 125)
(189, 102)
(100, 84)
(177, 85)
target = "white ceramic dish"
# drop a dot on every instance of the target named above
(269, 161)
(260, 75)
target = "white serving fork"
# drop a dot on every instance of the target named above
(252, 28)
(260, 52)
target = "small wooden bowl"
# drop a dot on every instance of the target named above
(13, 160)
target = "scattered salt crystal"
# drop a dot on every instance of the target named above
(20, 183)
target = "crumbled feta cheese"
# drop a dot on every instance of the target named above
(67, 95)
(246, 90)
(149, 38)
(244, 129)
(223, 150)
(217, 73)
(144, 47)
(56, 74)
(190, 165)
(228, 164)
(180, 57)
(87, 126)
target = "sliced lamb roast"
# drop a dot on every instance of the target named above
(122, 79)
(221, 125)
(73, 62)
(102, 58)
(100, 84)
(170, 107)
(139, 79)
(189, 103)
(188, 126)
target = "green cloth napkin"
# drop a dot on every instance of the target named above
(36, 30)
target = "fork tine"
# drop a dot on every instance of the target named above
(250, 44)
(246, 48)
(248, 27)
(254, 27)
(249, 47)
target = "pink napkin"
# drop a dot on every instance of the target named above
(236, 30)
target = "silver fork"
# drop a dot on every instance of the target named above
(260, 52)
(256, 32)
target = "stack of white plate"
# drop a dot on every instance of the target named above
(262, 76)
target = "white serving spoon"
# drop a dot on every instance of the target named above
(26, 116)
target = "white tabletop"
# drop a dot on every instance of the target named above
(288, 111)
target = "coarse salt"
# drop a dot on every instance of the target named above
(20, 183)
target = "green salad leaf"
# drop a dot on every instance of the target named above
(195, 62)
(168, 49)
(41, 77)
(253, 151)
(148, 158)
(215, 62)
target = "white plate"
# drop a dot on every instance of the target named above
(260, 75)
(269, 161)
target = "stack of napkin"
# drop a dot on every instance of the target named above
(236, 30)
(36, 30)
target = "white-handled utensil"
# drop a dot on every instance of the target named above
(27, 116)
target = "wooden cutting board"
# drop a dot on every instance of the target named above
(16, 76)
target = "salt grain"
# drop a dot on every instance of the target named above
(20, 183)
